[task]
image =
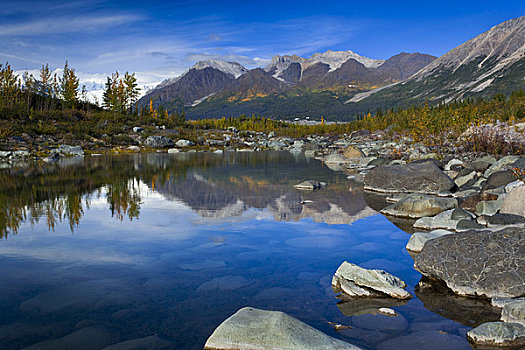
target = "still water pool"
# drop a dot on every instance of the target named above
(158, 249)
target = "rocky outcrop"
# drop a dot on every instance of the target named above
(477, 263)
(423, 177)
(356, 281)
(251, 328)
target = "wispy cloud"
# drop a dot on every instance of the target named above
(66, 25)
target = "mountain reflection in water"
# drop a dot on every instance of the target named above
(213, 186)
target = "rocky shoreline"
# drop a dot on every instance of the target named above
(466, 212)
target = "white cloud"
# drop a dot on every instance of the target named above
(63, 25)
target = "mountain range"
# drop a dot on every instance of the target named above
(341, 85)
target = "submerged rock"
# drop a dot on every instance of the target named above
(363, 306)
(477, 263)
(498, 334)
(152, 342)
(427, 340)
(423, 177)
(356, 281)
(251, 328)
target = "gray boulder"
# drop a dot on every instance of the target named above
(498, 334)
(500, 165)
(477, 263)
(440, 221)
(505, 219)
(251, 328)
(71, 150)
(356, 281)
(499, 179)
(159, 142)
(184, 143)
(514, 202)
(423, 177)
(489, 207)
(514, 312)
(420, 205)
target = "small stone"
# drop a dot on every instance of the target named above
(173, 150)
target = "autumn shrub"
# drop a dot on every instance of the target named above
(496, 138)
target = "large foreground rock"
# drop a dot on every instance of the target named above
(356, 281)
(423, 177)
(477, 263)
(253, 329)
(498, 334)
(420, 205)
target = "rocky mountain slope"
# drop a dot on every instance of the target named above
(493, 62)
(227, 88)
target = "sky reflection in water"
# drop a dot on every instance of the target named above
(208, 241)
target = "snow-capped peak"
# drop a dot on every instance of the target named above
(232, 68)
(335, 59)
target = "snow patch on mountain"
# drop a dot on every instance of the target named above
(233, 68)
(335, 59)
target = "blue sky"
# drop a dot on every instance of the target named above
(159, 39)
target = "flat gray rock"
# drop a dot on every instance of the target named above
(514, 312)
(514, 202)
(420, 205)
(442, 220)
(498, 334)
(253, 329)
(423, 177)
(356, 281)
(418, 239)
(477, 263)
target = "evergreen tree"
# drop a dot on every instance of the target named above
(69, 87)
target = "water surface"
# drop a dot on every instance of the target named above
(102, 250)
